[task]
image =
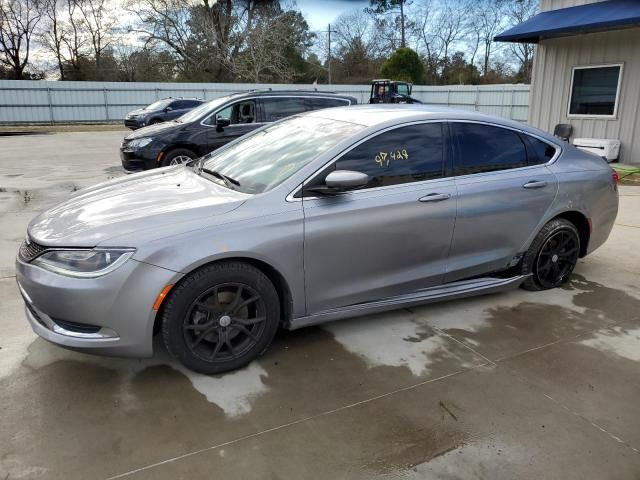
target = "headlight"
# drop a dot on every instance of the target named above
(139, 142)
(83, 263)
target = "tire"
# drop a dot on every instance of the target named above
(177, 156)
(238, 309)
(154, 121)
(552, 256)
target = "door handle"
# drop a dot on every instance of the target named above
(435, 197)
(534, 184)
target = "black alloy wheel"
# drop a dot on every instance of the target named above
(552, 256)
(220, 317)
(225, 322)
(557, 258)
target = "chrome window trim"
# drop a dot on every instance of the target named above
(291, 196)
(232, 102)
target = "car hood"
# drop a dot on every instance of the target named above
(166, 196)
(155, 129)
(139, 111)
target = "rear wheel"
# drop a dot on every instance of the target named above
(178, 157)
(221, 317)
(552, 256)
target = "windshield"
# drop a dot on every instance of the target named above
(262, 160)
(159, 105)
(203, 109)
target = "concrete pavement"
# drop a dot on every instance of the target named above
(513, 385)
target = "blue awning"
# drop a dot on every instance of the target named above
(594, 17)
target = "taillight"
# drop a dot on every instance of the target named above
(615, 176)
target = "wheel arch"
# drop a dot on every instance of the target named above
(185, 145)
(581, 222)
(278, 280)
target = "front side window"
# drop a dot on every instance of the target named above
(262, 160)
(236, 113)
(276, 108)
(486, 148)
(203, 110)
(403, 155)
(594, 90)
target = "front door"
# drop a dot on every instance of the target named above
(242, 118)
(389, 238)
(503, 193)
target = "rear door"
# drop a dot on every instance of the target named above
(504, 191)
(389, 238)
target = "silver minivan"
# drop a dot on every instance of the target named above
(322, 216)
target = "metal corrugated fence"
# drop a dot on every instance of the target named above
(35, 101)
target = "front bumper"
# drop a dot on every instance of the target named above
(116, 308)
(133, 123)
(138, 160)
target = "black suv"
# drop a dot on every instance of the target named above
(216, 123)
(160, 111)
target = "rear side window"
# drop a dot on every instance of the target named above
(276, 108)
(318, 103)
(486, 148)
(539, 152)
(403, 155)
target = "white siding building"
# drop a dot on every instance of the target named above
(586, 70)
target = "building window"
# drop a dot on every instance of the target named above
(594, 90)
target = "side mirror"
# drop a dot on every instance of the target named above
(340, 181)
(221, 123)
(167, 109)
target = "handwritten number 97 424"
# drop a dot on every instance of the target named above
(384, 158)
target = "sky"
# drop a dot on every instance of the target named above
(319, 13)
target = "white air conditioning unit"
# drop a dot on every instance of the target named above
(603, 147)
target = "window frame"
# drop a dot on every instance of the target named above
(297, 194)
(520, 132)
(231, 104)
(614, 116)
(260, 107)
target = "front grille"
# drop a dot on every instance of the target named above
(30, 250)
(77, 327)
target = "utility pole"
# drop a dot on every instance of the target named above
(329, 59)
(329, 56)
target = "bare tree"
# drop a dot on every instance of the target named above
(99, 24)
(391, 7)
(355, 29)
(18, 22)
(53, 33)
(268, 33)
(198, 33)
(490, 19)
(519, 11)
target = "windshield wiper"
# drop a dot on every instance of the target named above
(228, 181)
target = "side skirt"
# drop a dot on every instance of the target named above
(449, 291)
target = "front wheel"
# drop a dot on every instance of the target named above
(552, 256)
(178, 157)
(221, 317)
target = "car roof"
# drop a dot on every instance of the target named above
(300, 93)
(388, 114)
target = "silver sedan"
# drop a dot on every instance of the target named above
(333, 214)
